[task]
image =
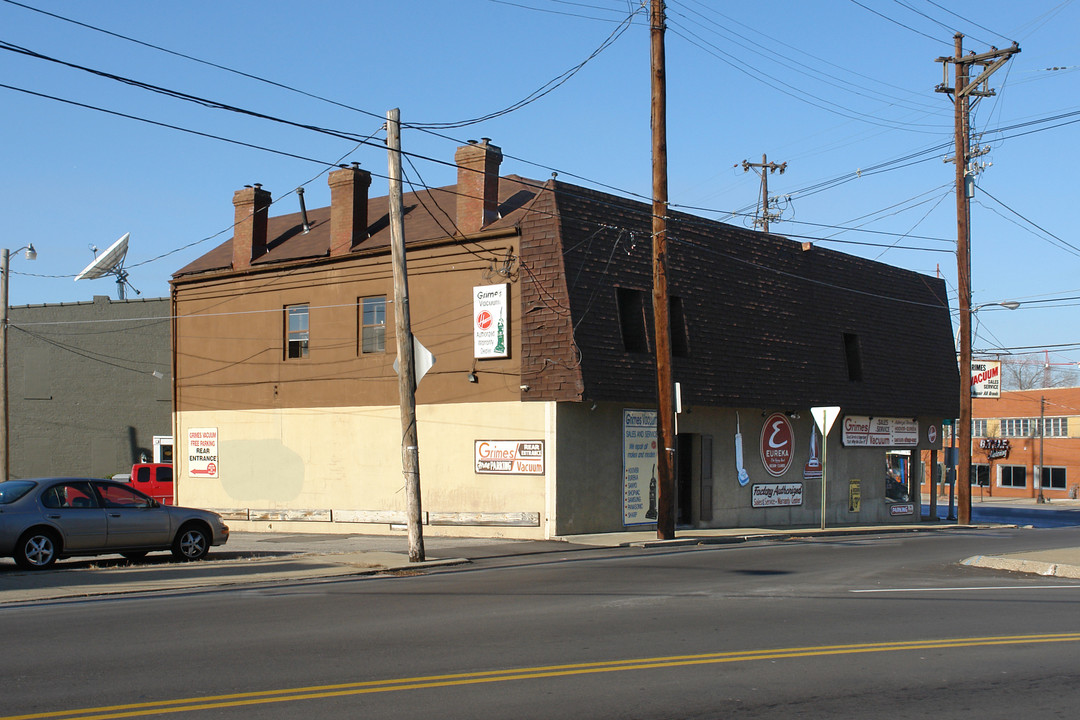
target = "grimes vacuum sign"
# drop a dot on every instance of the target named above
(202, 452)
(489, 321)
(510, 457)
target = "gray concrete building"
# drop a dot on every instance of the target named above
(89, 386)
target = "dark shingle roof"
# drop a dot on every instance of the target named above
(767, 323)
(765, 320)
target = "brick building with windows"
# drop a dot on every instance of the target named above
(1017, 434)
(534, 297)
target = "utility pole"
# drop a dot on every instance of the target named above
(965, 91)
(1042, 444)
(665, 390)
(5, 462)
(5, 428)
(410, 457)
(766, 168)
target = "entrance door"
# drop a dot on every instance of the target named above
(684, 479)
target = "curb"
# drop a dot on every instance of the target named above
(1032, 567)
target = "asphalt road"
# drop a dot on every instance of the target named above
(834, 627)
(1039, 516)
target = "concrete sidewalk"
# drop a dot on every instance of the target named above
(275, 558)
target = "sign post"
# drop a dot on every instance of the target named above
(824, 417)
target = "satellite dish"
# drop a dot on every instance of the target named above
(110, 262)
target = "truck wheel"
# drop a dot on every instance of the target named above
(37, 549)
(191, 543)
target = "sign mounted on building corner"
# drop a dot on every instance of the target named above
(490, 318)
(985, 379)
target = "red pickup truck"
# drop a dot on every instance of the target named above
(155, 480)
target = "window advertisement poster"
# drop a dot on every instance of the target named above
(509, 457)
(985, 379)
(639, 467)
(202, 447)
(489, 321)
(863, 431)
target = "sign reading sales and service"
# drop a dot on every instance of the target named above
(863, 431)
(985, 379)
(639, 467)
(202, 456)
(509, 457)
(489, 321)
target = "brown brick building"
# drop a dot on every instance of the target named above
(1018, 434)
(534, 421)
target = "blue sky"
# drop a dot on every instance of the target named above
(842, 91)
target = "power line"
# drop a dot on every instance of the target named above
(1070, 246)
(897, 22)
(792, 64)
(543, 90)
(969, 21)
(193, 58)
(787, 88)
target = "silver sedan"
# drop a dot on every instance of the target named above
(45, 519)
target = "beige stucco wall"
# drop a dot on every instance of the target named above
(591, 485)
(323, 465)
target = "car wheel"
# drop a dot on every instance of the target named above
(191, 543)
(134, 555)
(37, 549)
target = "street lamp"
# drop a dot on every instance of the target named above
(31, 254)
(963, 432)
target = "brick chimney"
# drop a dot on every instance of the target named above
(348, 208)
(249, 232)
(478, 185)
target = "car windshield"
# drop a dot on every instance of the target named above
(12, 490)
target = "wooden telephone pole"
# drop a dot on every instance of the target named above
(665, 388)
(964, 92)
(766, 168)
(410, 458)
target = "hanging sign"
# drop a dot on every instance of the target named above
(985, 379)
(777, 444)
(489, 321)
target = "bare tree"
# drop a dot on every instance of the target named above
(1031, 373)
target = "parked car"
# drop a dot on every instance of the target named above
(45, 519)
(154, 479)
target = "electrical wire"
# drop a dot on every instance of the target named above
(1066, 245)
(792, 90)
(790, 64)
(192, 58)
(543, 90)
(897, 22)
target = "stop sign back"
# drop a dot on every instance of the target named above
(777, 444)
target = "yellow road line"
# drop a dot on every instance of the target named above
(316, 692)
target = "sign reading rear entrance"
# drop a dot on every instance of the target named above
(509, 457)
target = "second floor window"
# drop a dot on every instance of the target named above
(296, 331)
(373, 324)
